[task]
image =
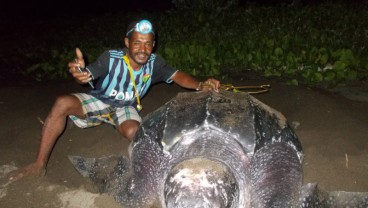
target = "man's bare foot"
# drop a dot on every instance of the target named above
(32, 169)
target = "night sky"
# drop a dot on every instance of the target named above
(33, 9)
(28, 9)
(23, 9)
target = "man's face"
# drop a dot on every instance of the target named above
(140, 47)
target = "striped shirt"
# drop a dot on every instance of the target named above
(113, 84)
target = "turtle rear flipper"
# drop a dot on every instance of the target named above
(101, 170)
(312, 196)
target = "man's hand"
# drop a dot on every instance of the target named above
(81, 77)
(189, 82)
(210, 84)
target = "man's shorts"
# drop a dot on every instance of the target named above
(97, 112)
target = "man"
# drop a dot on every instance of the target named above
(121, 78)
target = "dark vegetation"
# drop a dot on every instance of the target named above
(302, 43)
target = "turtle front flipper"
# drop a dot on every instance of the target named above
(102, 171)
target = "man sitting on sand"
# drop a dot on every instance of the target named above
(120, 79)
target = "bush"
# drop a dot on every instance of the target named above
(303, 44)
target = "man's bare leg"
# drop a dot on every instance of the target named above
(52, 129)
(128, 129)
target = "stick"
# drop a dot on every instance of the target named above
(40, 120)
(346, 160)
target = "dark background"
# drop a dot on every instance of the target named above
(29, 10)
(43, 8)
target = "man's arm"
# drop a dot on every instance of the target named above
(185, 80)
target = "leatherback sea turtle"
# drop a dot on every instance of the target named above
(204, 149)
